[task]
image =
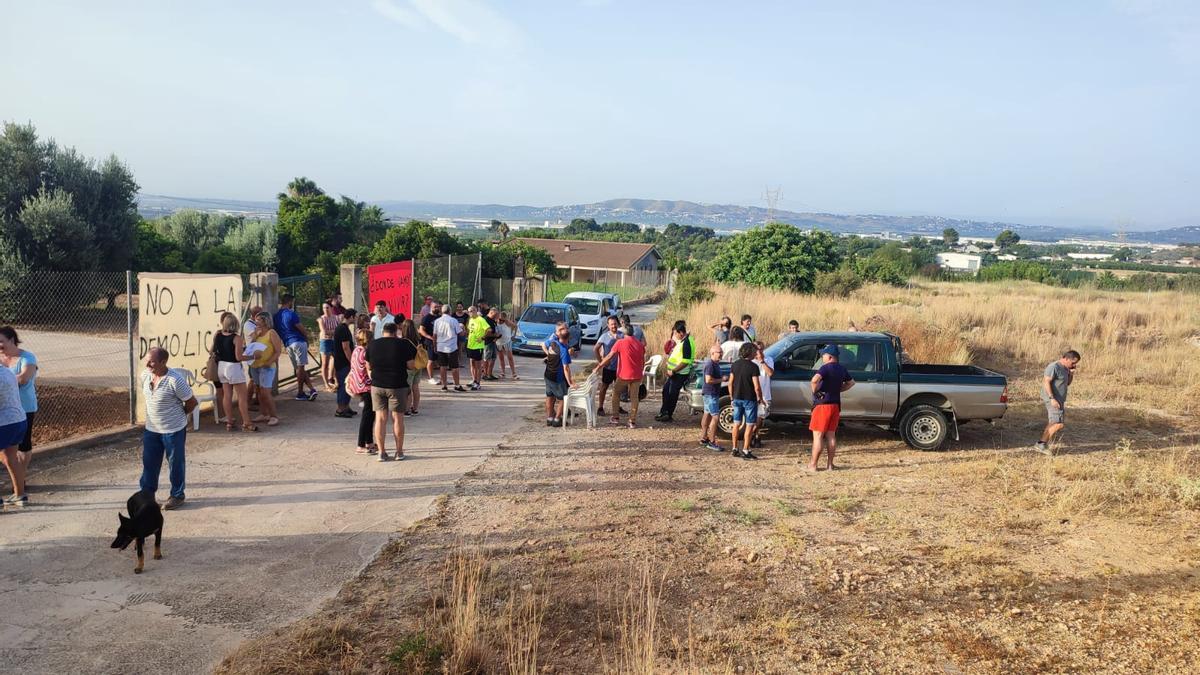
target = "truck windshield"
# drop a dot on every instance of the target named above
(780, 348)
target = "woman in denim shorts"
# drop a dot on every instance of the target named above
(327, 323)
(265, 367)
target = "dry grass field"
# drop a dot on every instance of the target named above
(1139, 349)
(637, 551)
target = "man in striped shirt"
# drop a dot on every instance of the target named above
(169, 401)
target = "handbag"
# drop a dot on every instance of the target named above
(209, 372)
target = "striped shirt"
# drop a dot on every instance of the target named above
(164, 403)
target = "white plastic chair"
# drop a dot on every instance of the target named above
(210, 397)
(582, 396)
(650, 372)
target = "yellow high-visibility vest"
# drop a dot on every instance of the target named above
(676, 359)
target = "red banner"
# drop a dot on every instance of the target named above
(391, 283)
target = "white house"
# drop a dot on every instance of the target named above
(959, 262)
(1089, 256)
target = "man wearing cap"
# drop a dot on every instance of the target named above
(827, 387)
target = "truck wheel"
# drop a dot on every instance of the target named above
(924, 427)
(725, 417)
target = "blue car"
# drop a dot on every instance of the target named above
(537, 323)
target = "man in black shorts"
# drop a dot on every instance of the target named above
(492, 316)
(604, 345)
(446, 332)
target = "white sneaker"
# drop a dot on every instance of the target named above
(434, 381)
(383, 457)
(1042, 448)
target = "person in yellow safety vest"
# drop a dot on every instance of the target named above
(679, 368)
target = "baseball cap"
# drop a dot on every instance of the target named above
(831, 350)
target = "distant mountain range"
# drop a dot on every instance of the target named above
(718, 216)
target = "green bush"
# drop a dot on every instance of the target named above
(838, 283)
(777, 255)
(690, 288)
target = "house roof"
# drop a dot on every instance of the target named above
(592, 254)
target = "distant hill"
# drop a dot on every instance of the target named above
(659, 212)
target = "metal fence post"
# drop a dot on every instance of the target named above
(129, 334)
(450, 279)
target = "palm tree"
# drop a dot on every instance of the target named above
(301, 187)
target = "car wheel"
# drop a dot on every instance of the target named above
(924, 427)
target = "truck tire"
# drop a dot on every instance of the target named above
(924, 427)
(725, 417)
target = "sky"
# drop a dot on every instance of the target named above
(1075, 113)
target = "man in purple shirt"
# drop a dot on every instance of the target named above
(827, 386)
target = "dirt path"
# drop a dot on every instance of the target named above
(275, 523)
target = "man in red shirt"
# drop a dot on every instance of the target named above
(631, 358)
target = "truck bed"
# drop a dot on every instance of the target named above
(931, 372)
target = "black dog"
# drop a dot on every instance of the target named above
(145, 519)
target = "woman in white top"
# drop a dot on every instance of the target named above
(729, 348)
(504, 332)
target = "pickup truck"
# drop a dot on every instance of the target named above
(923, 403)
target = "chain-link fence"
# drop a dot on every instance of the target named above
(498, 293)
(453, 279)
(79, 327)
(309, 292)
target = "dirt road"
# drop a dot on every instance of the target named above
(275, 522)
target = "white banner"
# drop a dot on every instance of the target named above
(181, 313)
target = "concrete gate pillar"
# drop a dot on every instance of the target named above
(352, 287)
(518, 297)
(264, 291)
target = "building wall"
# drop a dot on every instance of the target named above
(959, 261)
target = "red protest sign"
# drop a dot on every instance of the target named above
(391, 283)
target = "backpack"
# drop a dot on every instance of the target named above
(421, 361)
(553, 363)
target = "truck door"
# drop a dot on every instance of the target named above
(790, 388)
(871, 390)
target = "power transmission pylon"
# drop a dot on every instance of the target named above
(771, 197)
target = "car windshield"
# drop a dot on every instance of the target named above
(584, 305)
(537, 314)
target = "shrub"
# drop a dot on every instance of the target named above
(839, 283)
(690, 288)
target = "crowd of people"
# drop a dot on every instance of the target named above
(381, 358)
(377, 359)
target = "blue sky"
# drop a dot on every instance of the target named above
(1071, 113)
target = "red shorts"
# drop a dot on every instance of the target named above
(825, 417)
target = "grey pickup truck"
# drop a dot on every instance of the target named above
(923, 403)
